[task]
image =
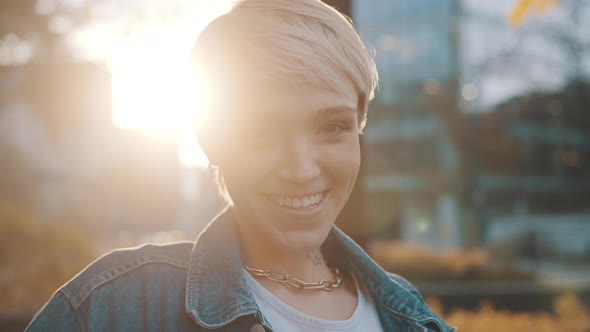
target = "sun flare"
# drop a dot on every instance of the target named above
(153, 88)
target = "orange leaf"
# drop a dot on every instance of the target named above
(524, 6)
(519, 11)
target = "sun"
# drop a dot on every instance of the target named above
(150, 91)
(153, 88)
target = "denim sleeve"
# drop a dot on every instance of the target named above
(56, 315)
(406, 284)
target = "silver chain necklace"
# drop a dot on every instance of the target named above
(285, 278)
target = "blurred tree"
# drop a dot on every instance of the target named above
(35, 259)
(46, 25)
(522, 7)
(21, 19)
(535, 52)
(517, 152)
(559, 44)
(17, 182)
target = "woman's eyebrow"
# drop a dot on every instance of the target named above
(262, 116)
(335, 110)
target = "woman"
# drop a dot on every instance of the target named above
(288, 85)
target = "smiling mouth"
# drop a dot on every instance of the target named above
(298, 202)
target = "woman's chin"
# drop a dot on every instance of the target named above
(300, 242)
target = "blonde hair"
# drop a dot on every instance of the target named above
(289, 41)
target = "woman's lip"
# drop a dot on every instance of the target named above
(301, 211)
(292, 195)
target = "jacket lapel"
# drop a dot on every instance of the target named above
(400, 306)
(216, 290)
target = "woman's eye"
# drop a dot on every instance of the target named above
(334, 128)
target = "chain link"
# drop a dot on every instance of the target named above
(285, 278)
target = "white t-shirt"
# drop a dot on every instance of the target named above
(283, 317)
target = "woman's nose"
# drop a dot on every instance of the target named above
(300, 160)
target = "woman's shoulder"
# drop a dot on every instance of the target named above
(122, 286)
(419, 308)
(129, 264)
(404, 284)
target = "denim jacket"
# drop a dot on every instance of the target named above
(199, 286)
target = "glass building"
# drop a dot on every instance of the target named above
(411, 173)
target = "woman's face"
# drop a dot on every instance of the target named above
(291, 164)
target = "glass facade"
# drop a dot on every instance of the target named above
(411, 160)
(414, 42)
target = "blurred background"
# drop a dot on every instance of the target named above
(476, 177)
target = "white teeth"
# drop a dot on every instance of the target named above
(298, 202)
(305, 202)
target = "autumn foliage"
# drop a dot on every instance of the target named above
(36, 258)
(569, 315)
(419, 262)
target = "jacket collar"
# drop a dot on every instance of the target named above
(390, 292)
(217, 292)
(344, 252)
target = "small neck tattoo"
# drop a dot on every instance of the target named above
(316, 257)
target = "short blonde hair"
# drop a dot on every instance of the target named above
(279, 41)
(289, 41)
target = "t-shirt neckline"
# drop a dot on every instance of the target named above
(303, 318)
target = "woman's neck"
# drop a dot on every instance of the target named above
(306, 265)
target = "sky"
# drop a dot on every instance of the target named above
(542, 64)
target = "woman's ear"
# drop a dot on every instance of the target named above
(205, 140)
(362, 107)
(216, 138)
(214, 143)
